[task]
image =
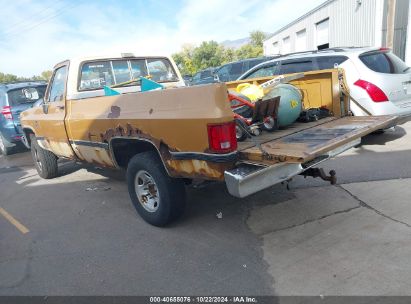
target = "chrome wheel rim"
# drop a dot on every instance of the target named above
(147, 191)
(37, 160)
(269, 122)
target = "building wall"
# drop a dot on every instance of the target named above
(351, 23)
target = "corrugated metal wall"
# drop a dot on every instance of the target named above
(351, 23)
(400, 27)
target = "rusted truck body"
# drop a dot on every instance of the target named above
(166, 139)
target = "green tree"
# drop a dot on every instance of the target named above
(184, 60)
(7, 78)
(257, 38)
(211, 54)
(208, 54)
(46, 75)
(249, 51)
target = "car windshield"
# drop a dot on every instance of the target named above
(25, 95)
(384, 62)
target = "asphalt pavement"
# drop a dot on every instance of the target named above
(79, 235)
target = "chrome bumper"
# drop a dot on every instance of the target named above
(248, 178)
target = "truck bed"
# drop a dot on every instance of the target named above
(303, 142)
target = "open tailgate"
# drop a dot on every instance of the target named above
(306, 145)
(275, 157)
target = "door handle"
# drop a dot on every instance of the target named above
(60, 107)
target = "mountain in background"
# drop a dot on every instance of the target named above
(236, 44)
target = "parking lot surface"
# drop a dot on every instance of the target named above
(83, 236)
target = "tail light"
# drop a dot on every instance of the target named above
(375, 93)
(6, 111)
(221, 137)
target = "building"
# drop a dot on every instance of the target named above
(345, 23)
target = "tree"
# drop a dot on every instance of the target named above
(208, 54)
(257, 38)
(211, 54)
(184, 60)
(249, 51)
(7, 77)
(46, 75)
(4, 78)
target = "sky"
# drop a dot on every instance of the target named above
(37, 34)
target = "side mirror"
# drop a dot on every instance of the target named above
(45, 107)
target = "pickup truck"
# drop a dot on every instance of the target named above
(167, 139)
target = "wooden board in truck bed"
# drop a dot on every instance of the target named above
(303, 142)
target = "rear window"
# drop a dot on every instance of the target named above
(384, 62)
(97, 74)
(330, 62)
(25, 95)
(288, 67)
(161, 70)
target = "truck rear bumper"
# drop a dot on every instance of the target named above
(248, 178)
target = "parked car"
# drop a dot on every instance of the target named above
(379, 81)
(167, 138)
(203, 77)
(15, 98)
(231, 71)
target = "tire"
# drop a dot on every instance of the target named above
(5, 148)
(44, 161)
(240, 129)
(146, 176)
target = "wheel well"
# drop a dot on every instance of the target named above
(27, 133)
(124, 149)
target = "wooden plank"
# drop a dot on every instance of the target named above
(303, 146)
(269, 136)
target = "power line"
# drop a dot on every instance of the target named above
(33, 16)
(43, 20)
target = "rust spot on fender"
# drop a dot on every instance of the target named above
(197, 169)
(115, 112)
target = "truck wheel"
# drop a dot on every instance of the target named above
(44, 161)
(158, 198)
(4, 146)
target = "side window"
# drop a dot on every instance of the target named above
(224, 73)
(121, 71)
(265, 71)
(95, 75)
(296, 66)
(138, 68)
(253, 63)
(330, 62)
(236, 70)
(58, 85)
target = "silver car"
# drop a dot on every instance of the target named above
(379, 81)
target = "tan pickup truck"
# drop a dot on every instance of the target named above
(169, 138)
